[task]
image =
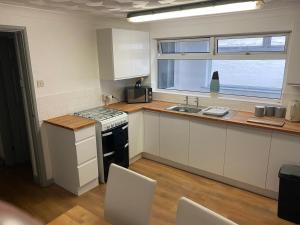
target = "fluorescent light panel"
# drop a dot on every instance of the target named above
(208, 10)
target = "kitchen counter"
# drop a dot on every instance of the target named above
(235, 117)
(71, 122)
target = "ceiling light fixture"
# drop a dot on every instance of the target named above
(194, 9)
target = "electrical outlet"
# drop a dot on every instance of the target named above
(40, 83)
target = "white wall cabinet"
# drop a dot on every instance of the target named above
(247, 154)
(207, 146)
(293, 76)
(135, 133)
(174, 138)
(123, 54)
(74, 158)
(151, 132)
(285, 149)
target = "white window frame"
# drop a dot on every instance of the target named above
(214, 55)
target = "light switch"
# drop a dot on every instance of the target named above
(40, 83)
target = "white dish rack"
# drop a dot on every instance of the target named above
(216, 111)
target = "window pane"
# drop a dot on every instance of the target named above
(185, 46)
(260, 78)
(256, 78)
(184, 75)
(252, 44)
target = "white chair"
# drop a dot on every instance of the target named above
(191, 213)
(129, 197)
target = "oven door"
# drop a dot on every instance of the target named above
(115, 148)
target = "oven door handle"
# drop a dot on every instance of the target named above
(108, 154)
(107, 134)
(125, 127)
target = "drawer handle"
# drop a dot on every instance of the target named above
(106, 134)
(108, 154)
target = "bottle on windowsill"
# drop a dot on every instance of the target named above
(215, 84)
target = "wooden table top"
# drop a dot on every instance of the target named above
(78, 216)
(235, 117)
(71, 122)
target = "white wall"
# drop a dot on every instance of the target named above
(281, 17)
(63, 51)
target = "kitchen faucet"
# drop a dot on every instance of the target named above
(197, 101)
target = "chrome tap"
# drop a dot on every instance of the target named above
(197, 101)
(186, 100)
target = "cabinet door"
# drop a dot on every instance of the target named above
(140, 54)
(285, 149)
(293, 76)
(207, 146)
(135, 133)
(151, 132)
(247, 153)
(122, 53)
(174, 138)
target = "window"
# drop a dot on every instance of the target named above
(248, 66)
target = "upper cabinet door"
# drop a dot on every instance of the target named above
(123, 54)
(247, 154)
(293, 76)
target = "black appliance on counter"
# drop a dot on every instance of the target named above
(138, 94)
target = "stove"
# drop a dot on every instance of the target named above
(107, 118)
(111, 136)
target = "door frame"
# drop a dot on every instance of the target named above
(29, 98)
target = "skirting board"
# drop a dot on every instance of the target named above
(135, 158)
(225, 180)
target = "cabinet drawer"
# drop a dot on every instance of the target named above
(86, 150)
(88, 172)
(85, 133)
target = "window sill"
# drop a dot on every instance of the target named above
(221, 97)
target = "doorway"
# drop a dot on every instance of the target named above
(20, 141)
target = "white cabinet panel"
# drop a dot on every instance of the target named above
(135, 133)
(293, 76)
(88, 172)
(285, 149)
(174, 138)
(123, 54)
(247, 153)
(84, 133)
(86, 150)
(207, 146)
(151, 132)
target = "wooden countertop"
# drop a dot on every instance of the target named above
(235, 117)
(71, 122)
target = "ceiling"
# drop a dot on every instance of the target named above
(108, 8)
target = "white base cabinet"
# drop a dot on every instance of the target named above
(74, 158)
(135, 133)
(247, 154)
(207, 146)
(151, 132)
(174, 138)
(285, 149)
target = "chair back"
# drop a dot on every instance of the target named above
(191, 213)
(128, 198)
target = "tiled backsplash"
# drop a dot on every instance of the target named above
(67, 102)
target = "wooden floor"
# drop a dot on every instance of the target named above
(243, 207)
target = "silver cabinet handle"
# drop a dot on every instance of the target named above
(108, 154)
(106, 134)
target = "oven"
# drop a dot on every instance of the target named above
(114, 149)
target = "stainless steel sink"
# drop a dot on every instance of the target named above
(185, 109)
